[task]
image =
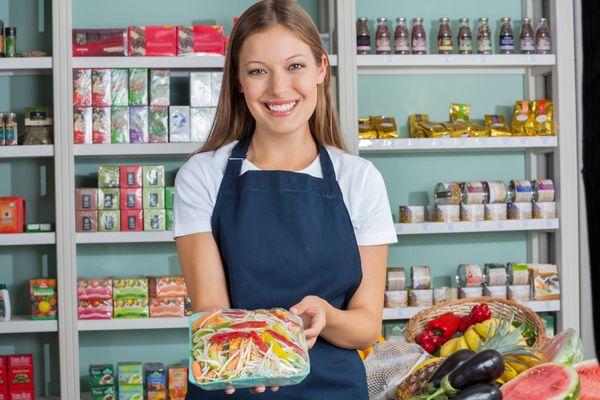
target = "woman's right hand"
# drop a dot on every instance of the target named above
(256, 390)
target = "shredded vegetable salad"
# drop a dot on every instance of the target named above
(240, 348)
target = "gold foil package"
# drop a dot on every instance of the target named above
(478, 130)
(459, 112)
(497, 125)
(414, 125)
(544, 122)
(385, 126)
(523, 119)
(457, 129)
(365, 129)
(435, 130)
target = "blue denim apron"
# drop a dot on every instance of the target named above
(282, 236)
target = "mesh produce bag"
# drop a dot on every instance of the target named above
(389, 364)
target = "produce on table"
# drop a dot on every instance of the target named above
(478, 314)
(239, 348)
(416, 382)
(481, 391)
(564, 348)
(589, 379)
(451, 363)
(438, 332)
(548, 381)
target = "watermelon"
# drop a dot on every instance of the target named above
(589, 377)
(549, 381)
(565, 348)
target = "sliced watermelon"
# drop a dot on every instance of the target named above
(549, 381)
(589, 377)
(565, 348)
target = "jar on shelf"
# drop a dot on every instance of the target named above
(418, 37)
(543, 40)
(484, 37)
(465, 37)
(383, 39)
(445, 45)
(10, 40)
(527, 38)
(363, 36)
(507, 38)
(401, 39)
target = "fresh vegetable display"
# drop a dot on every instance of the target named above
(239, 348)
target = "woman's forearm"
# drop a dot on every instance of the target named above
(351, 329)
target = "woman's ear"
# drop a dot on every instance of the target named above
(322, 69)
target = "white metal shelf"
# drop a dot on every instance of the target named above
(132, 324)
(25, 151)
(533, 143)
(24, 324)
(135, 149)
(24, 239)
(409, 312)
(483, 226)
(19, 65)
(194, 62)
(124, 237)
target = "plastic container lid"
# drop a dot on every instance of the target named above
(2, 286)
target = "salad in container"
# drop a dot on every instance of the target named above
(245, 348)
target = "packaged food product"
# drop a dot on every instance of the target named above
(153, 176)
(10, 136)
(497, 125)
(12, 210)
(469, 275)
(160, 87)
(546, 285)
(459, 112)
(82, 87)
(412, 214)
(478, 130)
(86, 221)
(472, 212)
(420, 297)
(385, 126)
(86, 199)
(396, 279)
(98, 289)
(101, 96)
(131, 199)
(130, 288)
(200, 89)
(166, 286)
(447, 213)
(414, 125)
(108, 199)
(132, 220)
(435, 130)
(473, 192)
(544, 210)
(130, 308)
(156, 378)
(179, 124)
(43, 298)
(154, 197)
(523, 119)
(99, 42)
(43, 227)
(519, 292)
(158, 124)
(101, 125)
(172, 307)
(119, 125)
(138, 86)
(470, 292)
(103, 393)
(169, 193)
(457, 129)
(178, 381)
(365, 129)
(130, 373)
(130, 176)
(201, 123)
(420, 277)
(495, 291)
(396, 298)
(155, 220)
(82, 125)
(95, 309)
(108, 176)
(394, 330)
(119, 86)
(544, 122)
(42, 287)
(495, 211)
(430, 213)
(520, 191)
(248, 331)
(448, 193)
(543, 190)
(496, 191)
(169, 220)
(109, 221)
(495, 274)
(441, 295)
(20, 376)
(215, 87)
(188, 307)
(518, 274)
(146, 41)
(3, 377)
(519, 210)
(138, 124)
(201, 39)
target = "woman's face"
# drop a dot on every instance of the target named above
(279, 76)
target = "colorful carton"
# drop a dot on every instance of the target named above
(108, 199)
(101, 96)
(82, 125)
(109, 221)
(178, 380)
(82, 87)
(131, 176)
(130, 288)
(169, 193)
(158, 124)
(20, 375)
(101, 375)
(131, 199)
(86, 199)
(138, 124)
(120, 86)
(156, 378)
(131, 392)
(119, 124)
(154, 198)
(130, 308)
(12, 214)
(103, 393)
(130, 373)
(94, 289)
(95, 309)
(43, 298)
(153, 176)
(179, 124)
(108, 176)
(132, 220)
(173, 307)
(86, 221)
(155, 220)
(200, 89)
(169, 221)
(160, 87)
(166, 286)
(3, 378)
(138, 87)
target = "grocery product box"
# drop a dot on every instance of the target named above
(99, 289)
(152, 40)
(130, 288)
(82, 87)
(43, 227)
(108, 176)
(109, 221)
(130, 373)
(167, 307)
(3, 378)
(95, 309)
(160, 87)
(20, 375)
(132, 220)
(154, 198)
(131, 199)
(169, 222)
(198, 39)
(119, 79)
(179, 124)
(154, 220)
(119, 124)
(201, 120)
(130, 308)
(200, 89)
(153, 176)
(108, 199)
(138, 87)
(131, 176)
(158, 124)
(82, 125)
(86, 199)
(131, 392)
(169, 195)
(156, 378)
(86, 221)
(177, 382)
(12, 214)
(99, 42)
(42, 287)
(101, 83)
(103, 393)
(101, 375)
(101, 125)
(138, 124)
(166, 286)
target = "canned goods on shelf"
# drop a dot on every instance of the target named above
(518, 274)
(420, 297)
(396, 278)
(447, 193)
(473, 193)
(412, 214)
(441, 295)
(519, 210)
(396, 298)
(495, 274)
(431, 214)
(544, 210)
(496, 191)
(472, 212)
(519, 292)
(520, 191)
(543, 190)
(470, 292)
(469, 275)
(495, 291)
(420, 277)
(447, 213)
(495, 211)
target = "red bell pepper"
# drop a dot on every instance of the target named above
(225, 337)
(258, 341)
(479, 313)
(249, 324)
(283, 340)
(446, 324)
(428, 341)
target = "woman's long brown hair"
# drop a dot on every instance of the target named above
(233, 120)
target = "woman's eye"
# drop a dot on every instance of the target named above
(257, 71)
(296, 66)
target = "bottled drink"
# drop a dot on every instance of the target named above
(484, 37)
(383, 37)
(401, 45)
(527, 39)
(543, 41)
(419, 38)
(445, 37)
(507, 38)
(465, 38)
(363, 37)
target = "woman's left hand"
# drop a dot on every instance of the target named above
(313, 311)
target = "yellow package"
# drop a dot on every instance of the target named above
(523, 119)
(459, 112)
(385, 126)
(478, 130)
(435, 130)
(544, 121)
(457, 129)
(497, 125)
(365, 129)
(414, 124)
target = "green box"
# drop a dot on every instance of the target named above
(155, 220)
(130, 373)
(108, 176)
(109, 221)
(153, 176)
(169, 224)
(131, 392)
(103, 393)
(130, 288)
(108, 199)
(102, 375)
(138, 86)
(169, 194)
(154, 198)
(119, 124)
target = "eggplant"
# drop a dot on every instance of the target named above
(454, 361)
(480, 391)
(485, 366)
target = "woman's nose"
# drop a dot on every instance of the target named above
(278, 84)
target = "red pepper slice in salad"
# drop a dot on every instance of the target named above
(258, 341)
(283, 340)
(249, 325)
(229, 336)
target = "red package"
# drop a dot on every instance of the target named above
(86, 221)
(132, 220)
(131, 199)
(101, 87)
(131, 176)
(99, 42)
(3, 379)
(166, 286)
(20, 375)
(97, 289)
(95, 309)
(201, 39)
(152, 40)
(82, 87)
(167, 307)
(12, 214)
(86, 199)
(101, 125)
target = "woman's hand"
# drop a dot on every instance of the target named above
(313, 311)
(256, 390)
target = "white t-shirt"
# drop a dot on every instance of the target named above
(363, 189)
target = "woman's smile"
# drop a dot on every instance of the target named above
(281, 108)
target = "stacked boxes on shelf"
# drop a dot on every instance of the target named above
(102, 381)
(167, 296)
(95, 298)
(156, 381)
(178, 381)
(130, 298)
(16, 377)
(131, 381)
(130, 198)
(153, 181)
(43, 298)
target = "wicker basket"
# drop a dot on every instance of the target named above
(500, 308)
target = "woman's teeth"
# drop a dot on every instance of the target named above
(281, 107)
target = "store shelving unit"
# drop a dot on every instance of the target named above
(25, 239)
(124, 237)
(23, 324)
(425, 228)
(33, 151)
(135, 149)
(25, 65)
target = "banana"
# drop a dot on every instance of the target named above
(484, 327)
(461, 344)
(448, 348)
(509, 373)
(473, 339)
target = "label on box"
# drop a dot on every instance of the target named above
(109, 221)
(86, 221)
(12, 214)
(132, 220)
(101, 375)
(153, 176)
(131, 199)
(20, 373)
